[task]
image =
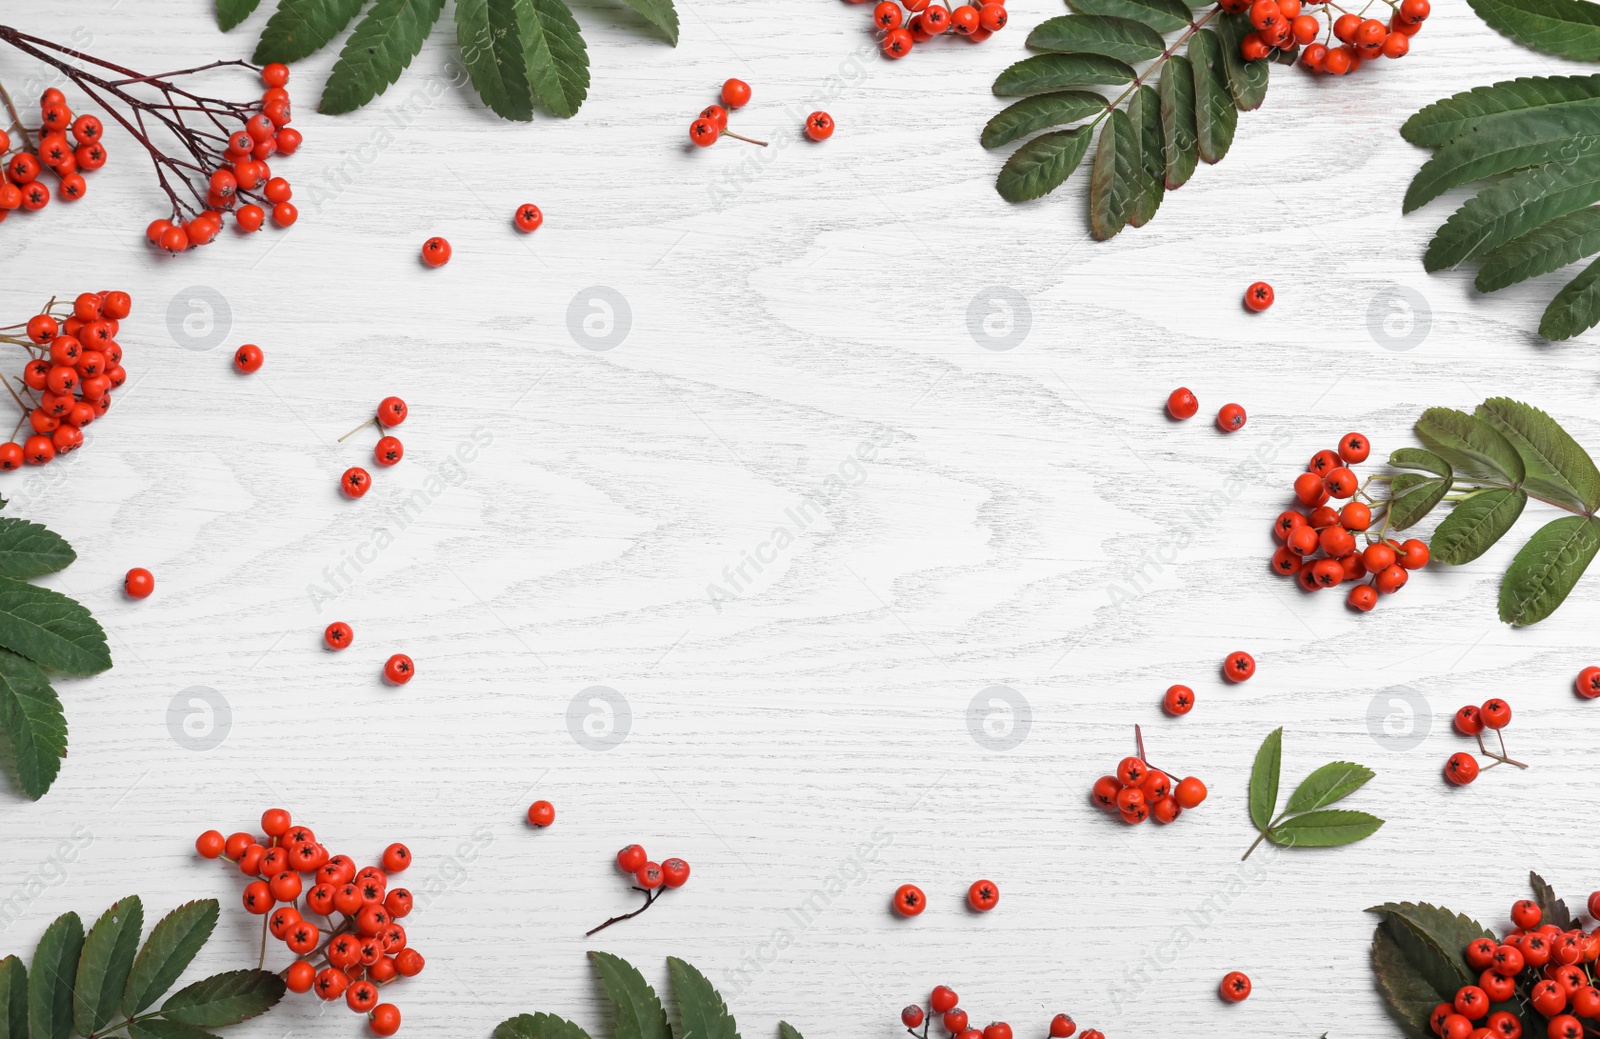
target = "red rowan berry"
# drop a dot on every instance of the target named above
(1355, 515)
(1461, 769)
(992, 16)
(1498, 989)
(715, 114)
(1259, 296)
(983, 895)
(704, 132)
(955, 1021)
(1496, 713)
(1588, 684)
(338, 635)
(911, 1016)
(258, 898)
(897, 43)
(396, 857)
(674, 872)
(888, 15)
(392, 411)
(1341, 483)
(1286, 561)
(399, 903)
(1104, 792)
(436, 252)
(1231, 417)
(1190, 792)
(139, 583)
(1181, 404)
(649, 876)
(542, 814)
(1391, 579)
(1362, 597)
(1286, 523)
(1239, 667)
(943, 999)
(1467, 721)
(1308, 488)
(1413, 555)
(361, 996)
(1324, 462)
(1131, 771)
(997, 1030)
(1336, 541)
(210, 844)
(629, 859)
(300, 977)
(248, 358)
(409, 963)
(385, 1019)
(1303, 541)
(908, 900)
(1235, 987)
(1305, 29)
(355, 482)
(250, 217)
(1339, 61)
(286, 886)
(528, 218)
(1415, 11)
(736, 93)
(1179, 700)
(1062, 1027)
(936, 19)
(819, 126)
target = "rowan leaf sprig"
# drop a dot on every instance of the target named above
(1306, 821)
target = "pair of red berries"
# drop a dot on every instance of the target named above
(75, 362)
(367, 949)
(909, 899)
(392, 411)
(1495, 714)
(436, 251)
(1183, 405)
(976, 21)
(68, 147)
(1179, 699)
(947, 1006)
(397, 670)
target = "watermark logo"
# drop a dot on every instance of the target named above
(1398, 317)
(1399, 718)
(999, 718)
(599, 718)
(999, 318)
(199, 318)
(199, 718)
(599, 318)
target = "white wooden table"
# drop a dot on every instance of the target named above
(1025, 518)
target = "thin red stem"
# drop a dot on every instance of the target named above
(649, 900)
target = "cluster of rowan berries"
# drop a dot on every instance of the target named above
(1328, 477)
(1462, 768)
(1282, 24)
(946, 1005)
(1543, 967)
(982, 896)
(366, 950)
(243, 174)
(74, 364)
(1138, 792)
(651, 878)
(1183, 405)
(356, 481)
(69, 146)
(976, 21)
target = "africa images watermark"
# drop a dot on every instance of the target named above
(51, 873)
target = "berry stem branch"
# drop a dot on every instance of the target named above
(649, 900)
(741, 137)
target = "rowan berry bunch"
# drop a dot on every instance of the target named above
(392, 411)
(1138, 791)
(711, 125)
(944, 1004)
(1348, 38)
(67, 145)
(1495, 714)
(1319, 548)
(906, 23)
(355, 957)
(220, 147)
(651, 879)
(1546, 969)
(73, 364)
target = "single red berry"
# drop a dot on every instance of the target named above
(542, 814)
(1230, 417)
(528, 217)
(1461, 769)
(1235, 987)
(436, 252)
(399, 669)
(392, 411)
(409, 963)
(649, 876)
(992, 16)
(331, 983)
(1062, 1027)
(275, 74)
(338, 635)
(249, 217)
(1363, 597)
(388, 451)
(210, 844)
(1179, 700)
(1131, 771)
(674, 872)
(1239, 667)
(1258, 296)
(355, 482)
(888, 15)
(1468, 722)
(385, 1019)
(361, 996)
(1181, 404)
(909, 900)
(1413, 554)
(735, 93)
(399, 901)
(301, 976)
(257, 898)
(1189, 792)
(1354, 448)
(139, 583)
(704, 132)
(911, 1016)
(715, 114)
(819, 126)
(248, 358)
(943, 999)
(396, 857)
(284, 214)
(1588, 684)
(629, 859)
(955, 1021)
(1496, 713)
(997, 1030)
(1526, 914)
(286, 886)
(983, 895)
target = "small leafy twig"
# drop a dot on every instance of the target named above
(1313, 824)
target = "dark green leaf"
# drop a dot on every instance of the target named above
(1179, 145)
(1408, 994)
(1416, 458)
(1247, 80)
(55, 971)
(661, 14)
(1328, 828)
(1264, 779)
(1144, 109)
(1161, 15)
(557, 60)
(229, 14)
(157, 1028)
(1215, 117)
(1411, 497)
(1330, 783)
(31, 715)
(1566, 239)
(538, 1026)
(1038, 167)
(225, 999)
(1121, 38)
(13, 999)
(1547, 569)
(1555, 910)
(1472, 445)
(1045, 72)
(29, 550)
(1531, 139)
(639, 1011)
(381, 48)
(299, 28)
(1513, 207)
(491, 47)
(1576, 308)
(787, 1031)
(1445, 120)
(167, 953)
(1433, 939)
(1565, 28)
(1475, 525)
(701, 1012)
(104, 965)
(1557, 467)
(1022, 118)
(50, 629)
(1115, 180)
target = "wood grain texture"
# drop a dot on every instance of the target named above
(1023, 518)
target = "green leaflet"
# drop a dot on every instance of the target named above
(1144, 109)
(1408, 995)
(55, 971)
(1416, 458)
(1160, 15)
(1472, 445)
(31, 715)
(1432, 938)
(167, 953)
(1040, 166)
(1530, 139)
(701, 1012)
(1264, 779)
(1018, 120)
(1448, 119)
(538, 1026)
(1564, 240)
(638, 1009)
(557, 62)
(1512, 207)
(1045, 72)
(229, 14)
(1557, 467)
(661, 14)
(1329, 828)
(491, 48)
(787, 1031)
(1121, 38)
(1215, 117)
(1576, 308)
(1114, 183)
(1180, 146)
(300, 28)
(225, 999)
(1247, 80)
(50, 629)
(1475, 525)
(1565, 28)
(382, 47)
(1411, 497)
(13, 999)
(1555, 910)
(158, 1028)
(1332, 782)
(1547, 569)
(104, 964)
(29, 550)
